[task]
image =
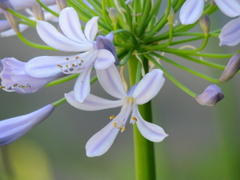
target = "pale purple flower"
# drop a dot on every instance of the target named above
(192, 10)
(139, 94)
(15, 79)
(23, 4)
(72, 39)
(6, 29)
(210, 96)
(13, 128)
(230, 33)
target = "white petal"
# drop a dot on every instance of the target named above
(46, 66)
(70, 25)
(111, 82)
(92, 102)
(229, 7)
(148, 87)
(100, 142)
(104, 59)
(149, 130)
(51, 36)
(191, 11)
(91, 29)
(82, 85)
(230, 33)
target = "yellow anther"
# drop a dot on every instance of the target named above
(59, 65)
(66, 65)
(122, 129)
(111, 117)
(67, 58)
(76, 57)
(115, 124)
(1, 87)
(134, 118)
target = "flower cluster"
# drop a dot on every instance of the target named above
(116, 34)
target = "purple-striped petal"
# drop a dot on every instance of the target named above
(71, 27)
(111, 82)
(148, 87)
(100, 142)
(191, 11)
(92, 102)
(52, 37)
(229, 7)
(230, 33)
(82, 85)
(149, 130)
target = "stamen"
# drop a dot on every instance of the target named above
(111, 117)
(59, 65)
(67, 58)
(1, 87)
(122, 129)
(134, 118)
(115, 124)
(76, 57)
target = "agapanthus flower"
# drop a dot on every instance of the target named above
(192, 10)
(13, 128)
(72, 39)
(23, 4)
(6, 29)
(15, 79)
(139, 94)
(230, 33)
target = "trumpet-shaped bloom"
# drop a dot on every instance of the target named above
(13, 128)
(192, 10)
(230, 34)
(139, 94)
(72, 39)
(15, 79)
(6, 30)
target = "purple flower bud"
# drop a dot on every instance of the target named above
(105, 43)
(211, 95)
(231, 68)
(205, 24)
(38, 12)
(13, 128)
(61, 4)
(12, 21)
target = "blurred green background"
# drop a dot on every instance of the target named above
(203, 142)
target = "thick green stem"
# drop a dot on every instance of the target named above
(144, 149)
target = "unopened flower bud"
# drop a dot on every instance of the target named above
(171, 16)
(113, 15)
(205, 24)
(12, 21)
(13, 128)
(61, 4)
(106, 43)
(5, 4)
(231, 68)
(128, 1)
(211, 95)
(38, 12)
